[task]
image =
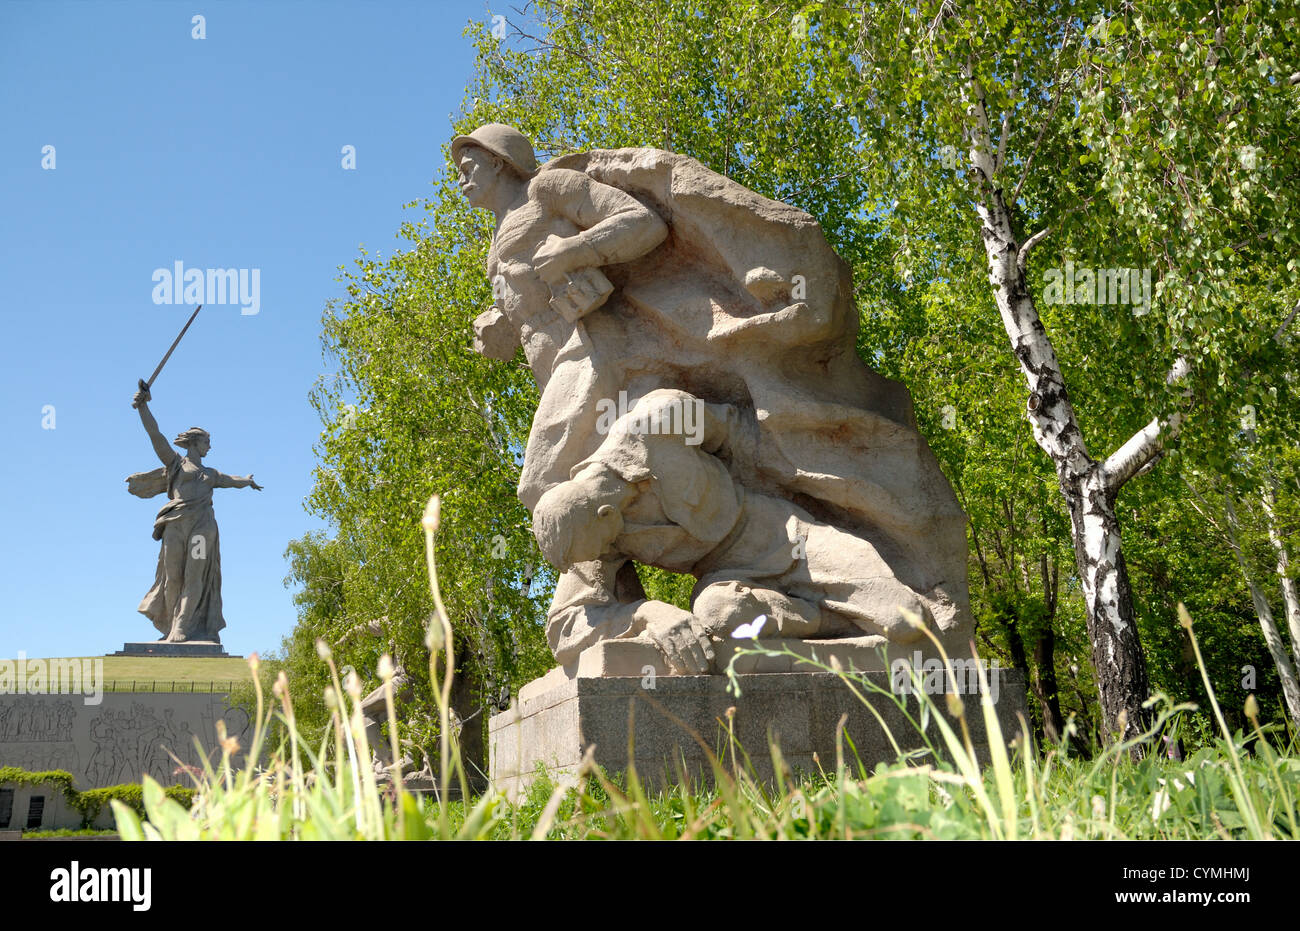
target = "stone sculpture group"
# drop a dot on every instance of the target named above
(703, 409)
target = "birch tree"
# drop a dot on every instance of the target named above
(1262, 485)
(1135, 138)
(1231, 529)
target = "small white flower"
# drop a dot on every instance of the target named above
(750, 630)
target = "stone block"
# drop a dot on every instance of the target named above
(192, 649)
(676, 725)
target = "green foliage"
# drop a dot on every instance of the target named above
(410, 411)
(662, 585)
(1149, 137)
(92, 801)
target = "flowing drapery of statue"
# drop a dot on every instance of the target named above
(704, 410)
(184, 603)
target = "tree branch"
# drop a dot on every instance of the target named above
(1005, 130)
(1022, 257)
(1142, 447)
(1286, 324)
(1056, 102)
(981, 153)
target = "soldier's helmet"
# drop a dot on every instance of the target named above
(505, 142)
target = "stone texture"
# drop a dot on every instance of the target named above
(119, 740)
(556, 718)
(704, 410)
(637, 657)
(191, 648)
(791, 480)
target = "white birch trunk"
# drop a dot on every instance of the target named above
(1290, 595)
(1089, 486)
(1263, 611)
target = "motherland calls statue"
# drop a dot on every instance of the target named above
(185, 600)
(703, 409)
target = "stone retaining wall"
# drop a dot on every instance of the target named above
(125, 737)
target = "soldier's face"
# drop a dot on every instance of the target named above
(478, 175)
(570, 525)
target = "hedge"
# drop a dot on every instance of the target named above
(91, 802)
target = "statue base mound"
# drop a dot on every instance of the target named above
(194, 649)
(662, 724)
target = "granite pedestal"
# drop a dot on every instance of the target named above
(193, 649)
(663, 724)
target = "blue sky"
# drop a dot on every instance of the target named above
(224, 152)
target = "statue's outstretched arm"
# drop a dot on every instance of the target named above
(236, 481)
(160, 445)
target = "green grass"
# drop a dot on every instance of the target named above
(158, 672)
(1222, 791)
